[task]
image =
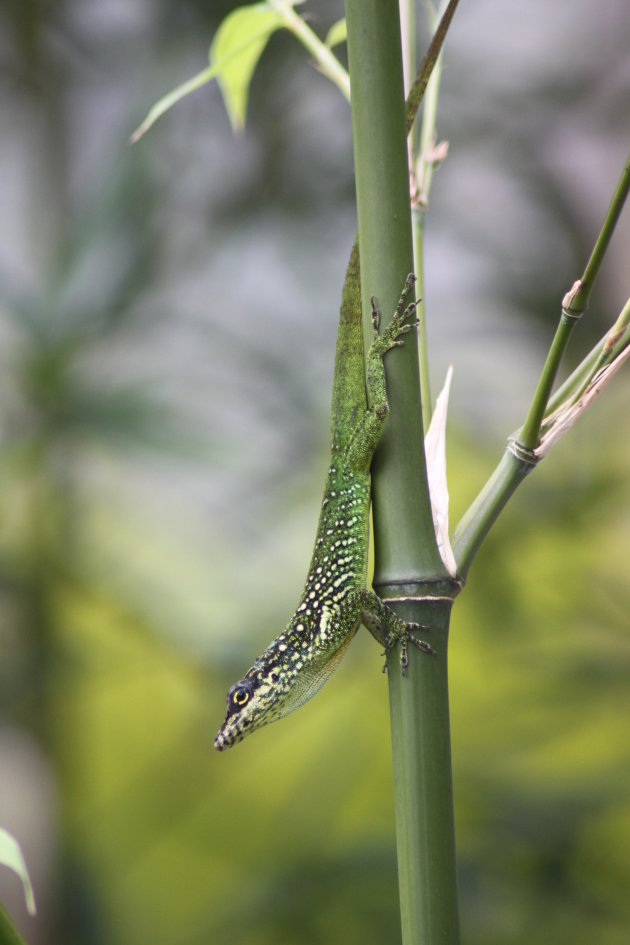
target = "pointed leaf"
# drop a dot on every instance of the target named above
(336, 34)
(235, 51)
(11, 856)
(234, 54)
(9, 935)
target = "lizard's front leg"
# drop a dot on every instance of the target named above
(389, 629)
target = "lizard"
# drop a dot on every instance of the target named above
(335, 600)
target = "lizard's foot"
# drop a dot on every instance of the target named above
(404, 641)
(388, 628)
(409, 638)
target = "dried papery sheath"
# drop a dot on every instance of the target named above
(565, 416)
(435, 450)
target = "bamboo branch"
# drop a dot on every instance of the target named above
(523, 452)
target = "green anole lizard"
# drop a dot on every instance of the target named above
(335, 601)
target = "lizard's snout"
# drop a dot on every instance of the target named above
(221, 741)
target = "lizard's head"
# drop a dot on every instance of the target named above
(252, 702)
(283, 678)
(241, 712)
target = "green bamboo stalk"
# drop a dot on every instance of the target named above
(488, 505)
(576, 380)
(407, 562)
(382, 182)
(528, 437)
(606, 349)
(423, 788)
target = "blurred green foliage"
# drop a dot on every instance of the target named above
(161, 454)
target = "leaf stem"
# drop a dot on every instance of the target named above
(167, 101)
(324, 57)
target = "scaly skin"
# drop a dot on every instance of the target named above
(335, 600)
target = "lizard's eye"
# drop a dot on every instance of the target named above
(239, 696)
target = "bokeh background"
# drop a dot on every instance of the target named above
(167, 323)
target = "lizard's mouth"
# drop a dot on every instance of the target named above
(228, 735)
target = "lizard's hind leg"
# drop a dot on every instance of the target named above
(404, 320)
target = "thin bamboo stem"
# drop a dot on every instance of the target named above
(520, 457)
(528, 437)
(581, 296)
(574, 304)
(422, 165)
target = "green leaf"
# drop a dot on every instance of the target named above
(8, 933)
(336, 34)
(235, 51)
(234, 54)
(11, 856)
